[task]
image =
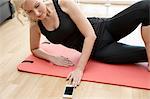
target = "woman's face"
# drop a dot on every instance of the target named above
(36, 9)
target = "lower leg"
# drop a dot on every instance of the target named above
(119, 53)
(145, 31)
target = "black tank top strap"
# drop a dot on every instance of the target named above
(57, 8)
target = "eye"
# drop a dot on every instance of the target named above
(37, 5)
(29, 11)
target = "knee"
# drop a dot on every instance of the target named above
(146, 1)
(145, 4)
(144, 7)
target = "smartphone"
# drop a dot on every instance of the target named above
(68, 92)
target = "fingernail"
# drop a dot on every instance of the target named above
(75, 86)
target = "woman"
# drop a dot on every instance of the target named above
(61, 21)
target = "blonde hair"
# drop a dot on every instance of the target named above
(20, 10)
(18, 4)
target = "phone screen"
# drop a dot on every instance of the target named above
(68, 90)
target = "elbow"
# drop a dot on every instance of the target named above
(33, 50)
(93, 37)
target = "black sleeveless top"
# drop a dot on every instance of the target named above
(67, 33)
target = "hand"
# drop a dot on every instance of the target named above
(61, 61)
(149, 68)
(75, 77)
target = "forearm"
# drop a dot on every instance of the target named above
(147, 46)
(86, 52)
(40, 53)
(146, 38)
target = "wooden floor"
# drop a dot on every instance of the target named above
(14, 47)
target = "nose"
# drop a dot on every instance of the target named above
(36, 12)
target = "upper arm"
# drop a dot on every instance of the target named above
(34, 36)
(71, 8)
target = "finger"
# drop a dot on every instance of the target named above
(75, 83)
(70, 62)
(64, 58)
(79, 81)
(59, 63)
(67, 61)
(67, 64)
(71, 79)
(75, 80)
(63, 64)
(68, 76)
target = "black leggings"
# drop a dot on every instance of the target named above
(119, 26)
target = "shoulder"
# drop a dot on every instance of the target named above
(34, 27)
(66, 4)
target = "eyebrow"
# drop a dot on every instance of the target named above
(34, 5)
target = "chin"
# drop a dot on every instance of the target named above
(43, 17)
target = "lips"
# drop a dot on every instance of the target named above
(40, 15)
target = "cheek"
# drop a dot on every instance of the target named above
(32, 16)
(43, 8)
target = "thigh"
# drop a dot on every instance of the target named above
(118, 53)
(127, 20)
(104, 39)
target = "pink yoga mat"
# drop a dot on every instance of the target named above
(131, 75)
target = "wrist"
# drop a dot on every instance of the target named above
(50, 57)
(80, 68)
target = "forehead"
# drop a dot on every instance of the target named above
(29, 4)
